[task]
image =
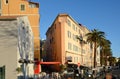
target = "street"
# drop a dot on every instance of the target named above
(114, 74)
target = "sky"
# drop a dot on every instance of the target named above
(103, 15)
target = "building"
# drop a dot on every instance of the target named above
(98, 57)
(12, 10)
(63, 44)
(16, 43)
(24, 8)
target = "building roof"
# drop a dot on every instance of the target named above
(31, 1)
(34, 2)
(64, 14)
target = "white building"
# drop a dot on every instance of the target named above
(16, 42)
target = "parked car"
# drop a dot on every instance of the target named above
(76, 73)
(69, 72)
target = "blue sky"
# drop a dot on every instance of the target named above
(103, 15)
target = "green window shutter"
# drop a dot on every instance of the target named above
(2, 72)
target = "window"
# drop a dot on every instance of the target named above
(22, 7)
(73, 37)
(75, 48)
(75, 59)
(83, 51)
(6, 1)
(76, 29)
(79, 31)
(2, 72)
(79, 50)
(68, 22)
(69, 34)
(69, 46)
(73, 26)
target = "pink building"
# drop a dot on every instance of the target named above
(63, 45)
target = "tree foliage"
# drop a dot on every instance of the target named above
(95, 37)
(112, 61)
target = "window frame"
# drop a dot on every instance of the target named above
(22, 7)
(69, 46)
(68, 22)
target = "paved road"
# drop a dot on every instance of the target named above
(114, 74)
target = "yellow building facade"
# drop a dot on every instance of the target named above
(24, 8)
(63, 45)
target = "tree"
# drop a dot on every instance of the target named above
(19, 69)
(105, 50)
(118, 62)
(95, 37)
(119, 59)
(62, 67)
(112, 60)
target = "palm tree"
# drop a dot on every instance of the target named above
(95, 37)
(105, 50)
(112, 60)
(108, 53)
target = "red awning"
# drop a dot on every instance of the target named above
(37, 69)
(49, 62)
